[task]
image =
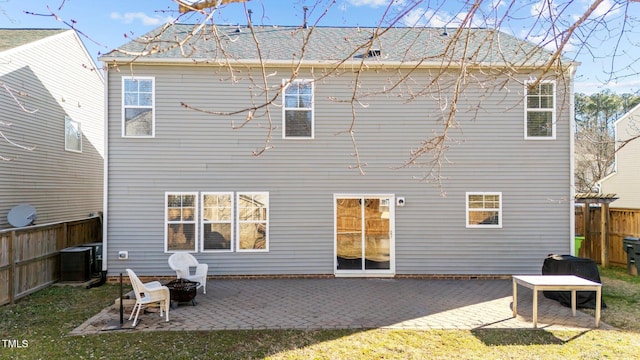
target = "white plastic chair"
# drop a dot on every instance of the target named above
(181, 264)
(148, 293)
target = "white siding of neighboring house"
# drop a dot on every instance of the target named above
(56, 78)
(625, 181)
(193, 151)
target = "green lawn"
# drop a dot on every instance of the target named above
(41, 324)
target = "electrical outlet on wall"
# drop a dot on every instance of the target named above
(123, 255)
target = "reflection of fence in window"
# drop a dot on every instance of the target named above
(349, 227)
(181, 221)
(483, 217)
(252, 221)
(483, 209)
(217, 221)
(181, 236)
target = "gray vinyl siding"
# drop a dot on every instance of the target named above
(54, 80)
(625, 180)
(193, 151)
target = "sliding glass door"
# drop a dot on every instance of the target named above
(364, 242)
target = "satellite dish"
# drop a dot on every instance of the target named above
(22, 215)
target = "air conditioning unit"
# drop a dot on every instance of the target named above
(96, 256)
(75, 264)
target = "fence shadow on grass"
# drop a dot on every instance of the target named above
(525, 337)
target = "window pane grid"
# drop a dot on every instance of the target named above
(181, 231)
(138, 107)
(298, 109)
(539, 119)
(217, 221)
(484, 210)
(252, 221)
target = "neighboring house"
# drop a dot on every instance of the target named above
(625, 179)
(53, 98)
(185, 180)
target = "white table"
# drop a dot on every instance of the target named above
(555, 283)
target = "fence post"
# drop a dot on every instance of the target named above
(12, 267)
(586, 209)
(65, 239)
(604, 235)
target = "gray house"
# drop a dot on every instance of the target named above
(52, 114)
(189, 118)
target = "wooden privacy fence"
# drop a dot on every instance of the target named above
(621, 223)
(30, 256)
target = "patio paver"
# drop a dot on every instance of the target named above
(418, 304)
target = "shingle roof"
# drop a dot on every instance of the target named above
(11, 38)
(331, 44)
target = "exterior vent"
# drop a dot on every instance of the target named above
(373, 53)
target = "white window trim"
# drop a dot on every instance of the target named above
(204, 222)
(238, 222)
(66, 148)
(153, 106)
(483, 226)
(167, 222)
(286, 84)
(392, 230)
(527, 110)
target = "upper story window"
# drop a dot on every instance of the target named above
(484, 210)
(138, 103)
(540, 111)
(297, 112)
(72, 135)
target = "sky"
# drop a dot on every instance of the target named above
(107, 24)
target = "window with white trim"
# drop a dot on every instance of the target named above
(540, 110)
(484, 209)
(252, 221)
(181, 232)
(217, 221)
(72, 135)
(297, 112)
(138, 106)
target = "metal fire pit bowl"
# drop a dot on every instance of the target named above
(183, 290)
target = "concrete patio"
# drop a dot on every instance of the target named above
(417, 304)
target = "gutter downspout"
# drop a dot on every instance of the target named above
(572, 184)
(105, 182)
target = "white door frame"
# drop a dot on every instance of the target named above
(392, 249)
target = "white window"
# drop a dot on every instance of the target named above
(540, 110)
(484, 210)
(297, 112)
(72, 135)
(181, 232)
(138, 102)
(217, 221)
(252, 221)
